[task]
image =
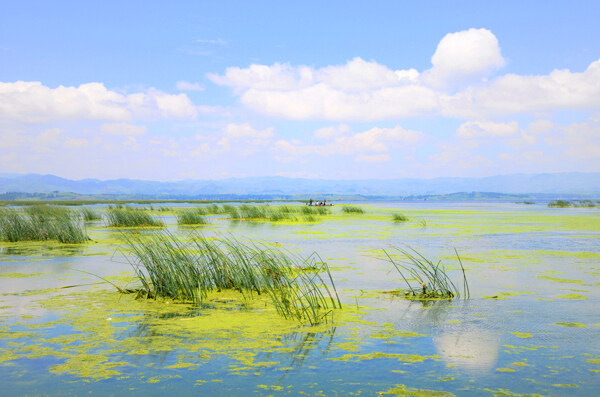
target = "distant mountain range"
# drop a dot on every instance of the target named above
(573, 183)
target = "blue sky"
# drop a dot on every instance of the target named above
(345, 91)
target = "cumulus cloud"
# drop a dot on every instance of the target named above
(463, 56)
(459, 84)
(32, 102)
(510, 94)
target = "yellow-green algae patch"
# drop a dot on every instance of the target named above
(561, 280)
(407, 358)
(505, 392)
(107, 327)
(20, 275)
(522, 335)
(571, 325)
(520, 364)
(403, 390)
(505, 370)
(572, 296)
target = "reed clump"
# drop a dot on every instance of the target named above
(425, 279)
(559, 204)
(398, 217)
(167, 267)
(89, 215)
(123, 216)
(349, 209)
(573, 203)
(315, 210)
(41, 223)
(273, 214)
(191, 217)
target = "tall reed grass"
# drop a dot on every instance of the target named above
(40, 223)
(273, 214)
(191, 217)
(89, 214)
(123, 216)
(350, 209)
(426, 279)
(168, 267)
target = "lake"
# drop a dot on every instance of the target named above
(531, 325)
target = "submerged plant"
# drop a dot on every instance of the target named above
(120, 216)
(426, 279)
(40, 223)
(167, 267)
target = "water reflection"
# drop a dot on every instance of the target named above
(299, 346)
(473, 350)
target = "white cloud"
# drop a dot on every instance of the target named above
(123, 129)
(463, 56)
(33, 102)
(366, 90)
(174, 106)
(376, 140)
(360, 75)
(487, 129)
(187, 86)
(244, 133)
(322, 102)
(511, 94)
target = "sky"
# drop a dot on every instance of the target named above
(312, 89)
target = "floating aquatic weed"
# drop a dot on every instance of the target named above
(169, 268)
(434, 282)
(123, 216)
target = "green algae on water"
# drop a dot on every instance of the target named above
(404, 391)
